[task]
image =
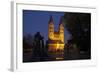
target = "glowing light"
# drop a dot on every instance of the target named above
(59, 58)
(56, 36)
(57, 45)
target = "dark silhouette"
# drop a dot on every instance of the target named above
(39, 50)
(79, 25)
(71, 51)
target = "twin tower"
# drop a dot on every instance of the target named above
(56, 38)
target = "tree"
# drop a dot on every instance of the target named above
(79, 25)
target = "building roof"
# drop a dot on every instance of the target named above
(56, 32)
(61, 22)
(51, 19)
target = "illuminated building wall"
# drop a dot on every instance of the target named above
(56, 38)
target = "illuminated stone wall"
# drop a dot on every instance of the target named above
(57, 37)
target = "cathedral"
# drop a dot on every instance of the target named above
(55, 38)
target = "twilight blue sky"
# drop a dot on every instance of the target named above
(34, 21)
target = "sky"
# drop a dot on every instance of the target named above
(37, 21)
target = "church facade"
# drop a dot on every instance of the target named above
(55, 38)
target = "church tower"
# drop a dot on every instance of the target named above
(55, 38)
(51, 28)
(61, 31)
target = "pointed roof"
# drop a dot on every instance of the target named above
(51, 19)
(60, 21)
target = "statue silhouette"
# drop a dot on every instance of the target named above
(38, 47)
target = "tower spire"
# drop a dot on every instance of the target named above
(51, 19)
